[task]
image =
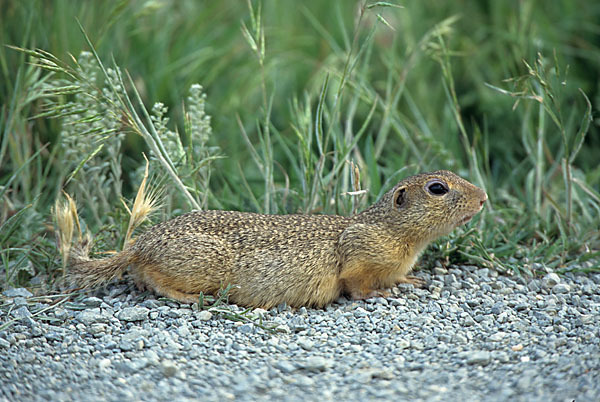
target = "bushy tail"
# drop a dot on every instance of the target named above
(88, 273)
(82, 270)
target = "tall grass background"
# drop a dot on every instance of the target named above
(297, 107)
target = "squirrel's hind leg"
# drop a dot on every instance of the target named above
(150, 279)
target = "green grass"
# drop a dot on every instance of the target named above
(293, 95)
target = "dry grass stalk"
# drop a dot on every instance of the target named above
(67, 223)
(144, 204)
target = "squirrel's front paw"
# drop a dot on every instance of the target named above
(413, 280)
(374, 293)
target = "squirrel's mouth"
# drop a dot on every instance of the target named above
(466, 219)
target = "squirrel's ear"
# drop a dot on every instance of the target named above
(399, 197)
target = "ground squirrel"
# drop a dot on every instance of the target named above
(303, 260)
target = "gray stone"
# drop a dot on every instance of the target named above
(589, 289)
(283, 328)
(169, 368)
(92, 301)
(550, 280)
(174, 313)
(534, 285)
(285, 366)
(37, 331)
(91, 316)
(20, 301)
(306, 343)
(440, 271)
(365, 376)
(315, 364)
(98, 328)
(104, 364)
(304, 381)
(561, 288)
(483, 273)
(17, 292)
(126, 346)
(460, 338)
(481, 358)
(473, 302)
(204, 315)
(246, 328)
(379, 300)
(131, 314)
(21, 312)
(297, 324)
(526, 379)
(135, 334)
(497, 308)
(417, 345)
(54, 336)
(502, 357)
(521, 306)
(468, 321)
(184, 331)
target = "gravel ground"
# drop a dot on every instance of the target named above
(471, 334)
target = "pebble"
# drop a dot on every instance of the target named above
(472, 334)
(550, 280)
(306, 343)
(92, 301)
(17, 292)
(246, 328)
(481, 358)
(133, 314)
(60, 313)
(21, 312)
(168, 368)
(20, 301)
(561, 288)
(498, 336)
(285, 366)
(97, 328)
(315, 364)
(91, 316)
(497, 308)
(204, 315)
(104, 363)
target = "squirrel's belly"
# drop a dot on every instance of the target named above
(270, 277)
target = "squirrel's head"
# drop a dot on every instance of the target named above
(433, 203)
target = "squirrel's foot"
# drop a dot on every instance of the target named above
(356, 295)
(139, 284)
(413, 280)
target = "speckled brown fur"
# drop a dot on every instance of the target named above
(303, 260)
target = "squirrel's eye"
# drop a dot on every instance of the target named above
(437, 188)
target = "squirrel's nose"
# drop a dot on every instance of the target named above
(483, 199)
